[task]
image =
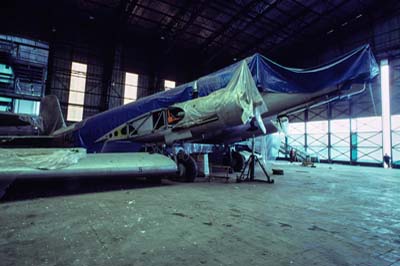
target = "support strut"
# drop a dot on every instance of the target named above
(247, 174)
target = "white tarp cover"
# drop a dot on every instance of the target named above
(266, 146)
(21, 160)
(241, 92)
(43, 159)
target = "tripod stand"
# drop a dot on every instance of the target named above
(247, 174)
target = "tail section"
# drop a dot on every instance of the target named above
(50, 111)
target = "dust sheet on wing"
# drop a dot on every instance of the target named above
(43, 159)
(37, 159)
(241, 92)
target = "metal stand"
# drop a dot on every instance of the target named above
(247, 174)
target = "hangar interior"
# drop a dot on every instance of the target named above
(99, 55)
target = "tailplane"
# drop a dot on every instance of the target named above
(51, 114)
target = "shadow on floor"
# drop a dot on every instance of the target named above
(24, 189)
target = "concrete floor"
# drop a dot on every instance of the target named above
(329, 215)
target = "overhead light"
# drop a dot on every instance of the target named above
(344, 24)
(162, 38)
(91, 17)
(329, 32)
(235, 59)
(53, 29)
(359, 16)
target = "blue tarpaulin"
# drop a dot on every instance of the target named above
(354, 67)
(89, 130)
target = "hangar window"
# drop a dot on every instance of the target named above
(76, 92)
(169, 84)
(340, 142)
(26, 107)
(5, 104)
(317, 139)
(396, 140)
(366, 139)
(296, 135)
(131, 87)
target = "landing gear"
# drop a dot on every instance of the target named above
(247, 174)
(237, 161)
(230, 158)
(187, 167)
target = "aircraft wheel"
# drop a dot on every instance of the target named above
(187, 168)
(237, 163)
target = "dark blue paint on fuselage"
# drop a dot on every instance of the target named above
(356, 66)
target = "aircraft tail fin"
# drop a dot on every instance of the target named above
(50, 111)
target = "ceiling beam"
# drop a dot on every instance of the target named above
(197, 10)
(306, 7)
(299, 31)
(128, 11)
(168, 2)
(178, 17)
(267, 35)
(229, 23)
(164, 14)
(255, 19)
(368, 12)
(194, 15)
